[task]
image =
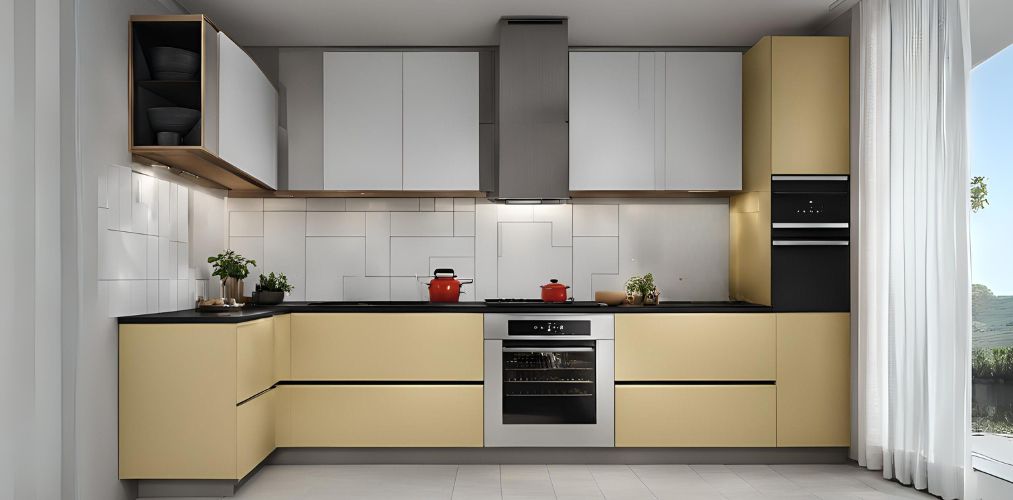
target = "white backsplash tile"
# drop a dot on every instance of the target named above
(246, 224)
(166, 300)
(486, 250)
(285, 248)
(685, 246)
(182, 260)
(151, 261)
(182, 214)
(366, 288)
(167, 256)
(528, 260)
(426, 205)
(593, 255)
(125, 188)
(464, 204)
(561, 217)
(596, 220)
(410, 256)
(284, 204)
(444, 205)
(464, 223)
(515, 213)
(325, 204)
(422, 224)
(382, 204)
(151, 304)
(173, 230)
(335, 223)
(328, 261)
(245, 204)
(165, 214)
(377, 243)
(408, 288)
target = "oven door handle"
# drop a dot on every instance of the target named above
(548, 349)
(810, 243)
(810, 225)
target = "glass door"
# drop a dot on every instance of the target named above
(549, 382)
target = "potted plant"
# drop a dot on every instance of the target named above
(641, 290)
(271, 289)
(232, 268)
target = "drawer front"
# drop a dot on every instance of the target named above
(696, 347)
(387, 347)
(385, 415)
(813, 379)
(255, 431)
(255, 357)
(696, 415)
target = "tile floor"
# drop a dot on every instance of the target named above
(703, 482)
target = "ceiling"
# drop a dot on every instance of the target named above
(473, 22)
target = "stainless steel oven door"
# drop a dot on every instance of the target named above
(537, 393)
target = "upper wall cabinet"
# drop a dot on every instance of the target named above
(798, 107)
(198, 103)
(401, 121)
(612, 120)
(655, 121)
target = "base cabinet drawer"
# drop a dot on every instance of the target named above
(255, 424)
(695, 415)
(254, 358)
(695, 347)
(382, 416)
(386, 347)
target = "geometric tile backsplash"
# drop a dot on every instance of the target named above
(155, 236)
(385, 248)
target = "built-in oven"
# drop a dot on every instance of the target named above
(810, 233)
(549, 380)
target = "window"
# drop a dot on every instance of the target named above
(991, 148)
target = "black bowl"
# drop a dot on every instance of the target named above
(170, 63)
(173, 119)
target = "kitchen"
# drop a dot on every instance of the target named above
(523, 254)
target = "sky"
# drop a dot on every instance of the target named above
(991, 147)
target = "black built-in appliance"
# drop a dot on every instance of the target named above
(810, 258)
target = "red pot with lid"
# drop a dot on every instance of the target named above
(554, 291)
(445, 287)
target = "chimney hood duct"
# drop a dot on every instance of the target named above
(534, 155)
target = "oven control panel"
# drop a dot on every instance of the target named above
(548, 327)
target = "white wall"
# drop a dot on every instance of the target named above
(373, 249)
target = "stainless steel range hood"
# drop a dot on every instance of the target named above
(533, 164)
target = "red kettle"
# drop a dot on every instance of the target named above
(445, 287)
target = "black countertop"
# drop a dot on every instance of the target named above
(252, 313)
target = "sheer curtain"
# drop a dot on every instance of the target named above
(913, 311)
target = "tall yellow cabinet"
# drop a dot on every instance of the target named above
(796, 121)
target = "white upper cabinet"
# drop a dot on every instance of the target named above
(362, 120)
(247, 114)
(401, 121)
(440, 121)
(703, 120)
(612, 120)
(655, 121)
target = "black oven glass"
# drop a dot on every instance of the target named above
(540, 327)
(549, 382)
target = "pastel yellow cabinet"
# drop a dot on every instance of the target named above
(813, 379)
(695, 347)
(695, 416)
(178, 391)
(386, 347)
(381, 416)
(796, 106)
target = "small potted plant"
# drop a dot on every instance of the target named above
(232, 268)
(271, 289)
(641, 290)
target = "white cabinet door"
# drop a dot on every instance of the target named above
(612, 120)
(703, 125)
(440, 121)
(362, 120)
(247, 114)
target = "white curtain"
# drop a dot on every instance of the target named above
(913, 311)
